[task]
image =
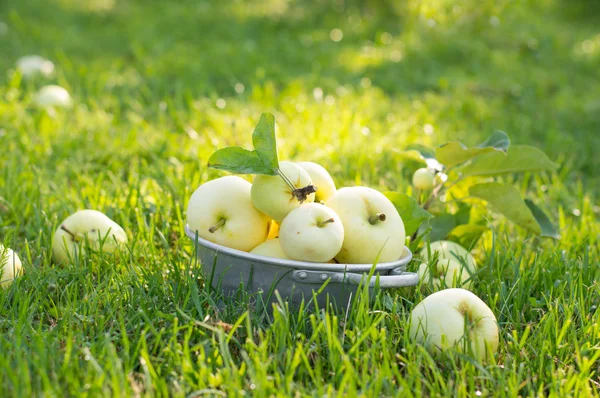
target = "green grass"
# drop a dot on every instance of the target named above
(146, 77)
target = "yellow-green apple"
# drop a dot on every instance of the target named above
(221, 211)
(423, 179)
(10, 266)
(455, 318)
(273, 230)
(444, 273)
(321, 179)
(89, 228)
(445, 249)
(270, 248)
(372, 226)
(52, 96)
(312, 232)
(31, 65)
(274, 197)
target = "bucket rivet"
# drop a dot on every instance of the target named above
(324, 277)
(302, 275)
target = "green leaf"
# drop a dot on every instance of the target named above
(412, 214)
(425, 151)
(263, 139)
(440, 226)
(548, 229)
(466, 235)
(499, 140)
(508, 201)
(239, 160)
(454, 152)
(411, 155)
(520, 158)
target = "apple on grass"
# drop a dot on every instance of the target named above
(10, 266)
(321, 179)
(312, 232)
(270, 248)
(221, 211)
(274, 197)
(444, 273)
(89, 227)
(31, 65)
(373, 228)
(423, 179)
(455, 318)
(53, 96)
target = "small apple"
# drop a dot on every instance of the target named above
(10, 266)
(312, 232)
(270, 248)
(273, 230)
(52, 96)
(221, 211)
(423, 179)
(372, 226)
(455, 318)
(445, 249)
(272, 196)
(321, 179)
(91, 226)
(31, 65)
(444, 273)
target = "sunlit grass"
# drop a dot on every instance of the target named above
(159, 86)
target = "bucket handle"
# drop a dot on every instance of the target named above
(396, 278)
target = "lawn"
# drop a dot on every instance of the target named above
(159, 86)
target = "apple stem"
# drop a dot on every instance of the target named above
(67, 231)
(321, 224)
(376, 218)
(301, 194)
(215, 227)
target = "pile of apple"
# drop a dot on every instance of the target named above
(353, 225)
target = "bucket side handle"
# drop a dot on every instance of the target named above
(396, 278)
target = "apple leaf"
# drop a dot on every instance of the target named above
(239, 160)
(263, 139)
(508, 201)
(411, 155)
(466, 235)
(412, 214)
(440, 226)
(520, 158)
(548, 229)
(454, 152)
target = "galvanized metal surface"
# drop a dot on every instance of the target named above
(229, 269)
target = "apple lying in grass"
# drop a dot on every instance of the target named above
(10, 266)
(423, 179)
(448, 250)
(373, 229)
(270, 248)
(312, 232)
(221, 211)
(273, 197)
(321, 179)
(455, 318)
(444, 273)
(31, 65)
(86, 228)
(53, 96)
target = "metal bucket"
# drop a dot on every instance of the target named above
(229, 270)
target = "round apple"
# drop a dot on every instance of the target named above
(273, 230)
(221, 211)
(270, 248)
(372, 226)
(423, 179)
(272, 196)
(312, 232)
(100, 232)
(448, 250)
(31, 65)
(52, 96)
(455, 318)
(321, 179)
(10, 266)
(444, 273)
